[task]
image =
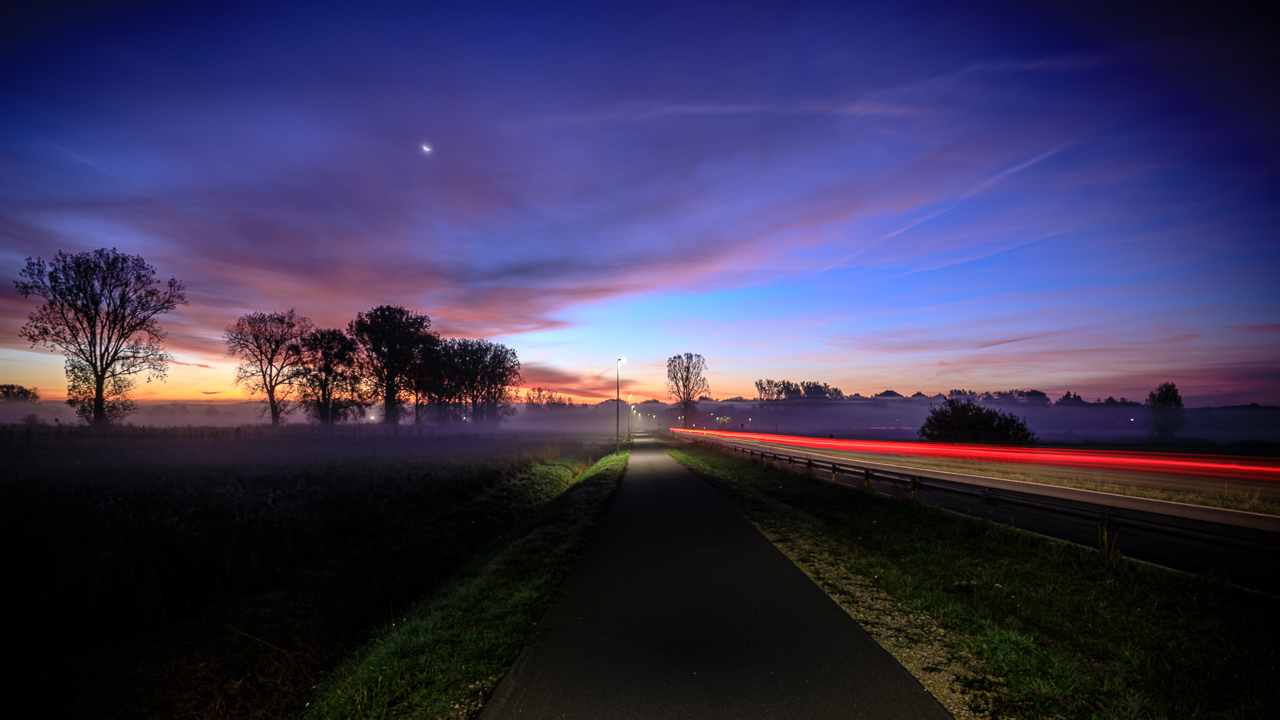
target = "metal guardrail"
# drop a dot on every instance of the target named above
(1259, 544)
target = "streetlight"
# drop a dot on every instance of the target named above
(617, 406)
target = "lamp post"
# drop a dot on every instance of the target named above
(630, 409)
(617, 407)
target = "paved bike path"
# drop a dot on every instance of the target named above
(680, 608)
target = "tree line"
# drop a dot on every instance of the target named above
(101, 311)
(962, 419)
(773, 391)
(388, 355)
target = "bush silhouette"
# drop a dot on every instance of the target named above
(1165, 416)
(964, 421)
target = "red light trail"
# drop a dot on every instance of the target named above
(1266, 470)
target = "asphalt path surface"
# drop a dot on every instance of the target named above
(680, 608)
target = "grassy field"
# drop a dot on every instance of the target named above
(1047, 629)
(215, 572)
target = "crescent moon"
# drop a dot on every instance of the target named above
(426, 148)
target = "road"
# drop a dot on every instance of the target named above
(680, 608)
(1239, 546)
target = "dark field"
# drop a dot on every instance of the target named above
(212, 572)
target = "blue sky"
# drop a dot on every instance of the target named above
(876, 195)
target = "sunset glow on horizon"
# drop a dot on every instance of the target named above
(906, 196)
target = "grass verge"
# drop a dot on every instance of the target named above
(443, 657)
(1049, 629)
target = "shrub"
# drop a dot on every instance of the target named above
(1165, 415)
(964, 421)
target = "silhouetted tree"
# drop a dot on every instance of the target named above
(100, 311)
(329, 384)
(1016, 397)
(18, 393)
(437, 381)
(1070, 399)
(270, 352)
(487, 375)
(686, 381)
(813, 390)
(1165, 415)
(83, 391)
(964, 421)
(769, 392)
(426, 376)
(542, 399)
(391, 340)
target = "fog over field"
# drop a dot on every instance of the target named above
(890, 419)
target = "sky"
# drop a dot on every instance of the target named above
(909, 195)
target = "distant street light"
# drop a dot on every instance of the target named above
(630, 409)
(617, 406)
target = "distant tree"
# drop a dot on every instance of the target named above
(329, 385)
(1070, 399)
(1016, 397)
(269, 346)
(18, 393)
(964, 421)
(488, 374)
(769, 392)
(1034, 397)
(962, 394)
(100, 310)
(1165, 414)
(543, 399)
(686, 381)
(391, 340)
(813, 390)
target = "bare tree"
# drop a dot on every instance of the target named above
(544, 399)
(330, 382)
(391, 340)
(81, 391)
(686, 381)
(100, 311)
(270, 352)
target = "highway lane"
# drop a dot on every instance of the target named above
(1240, 478)
(1242, 547)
